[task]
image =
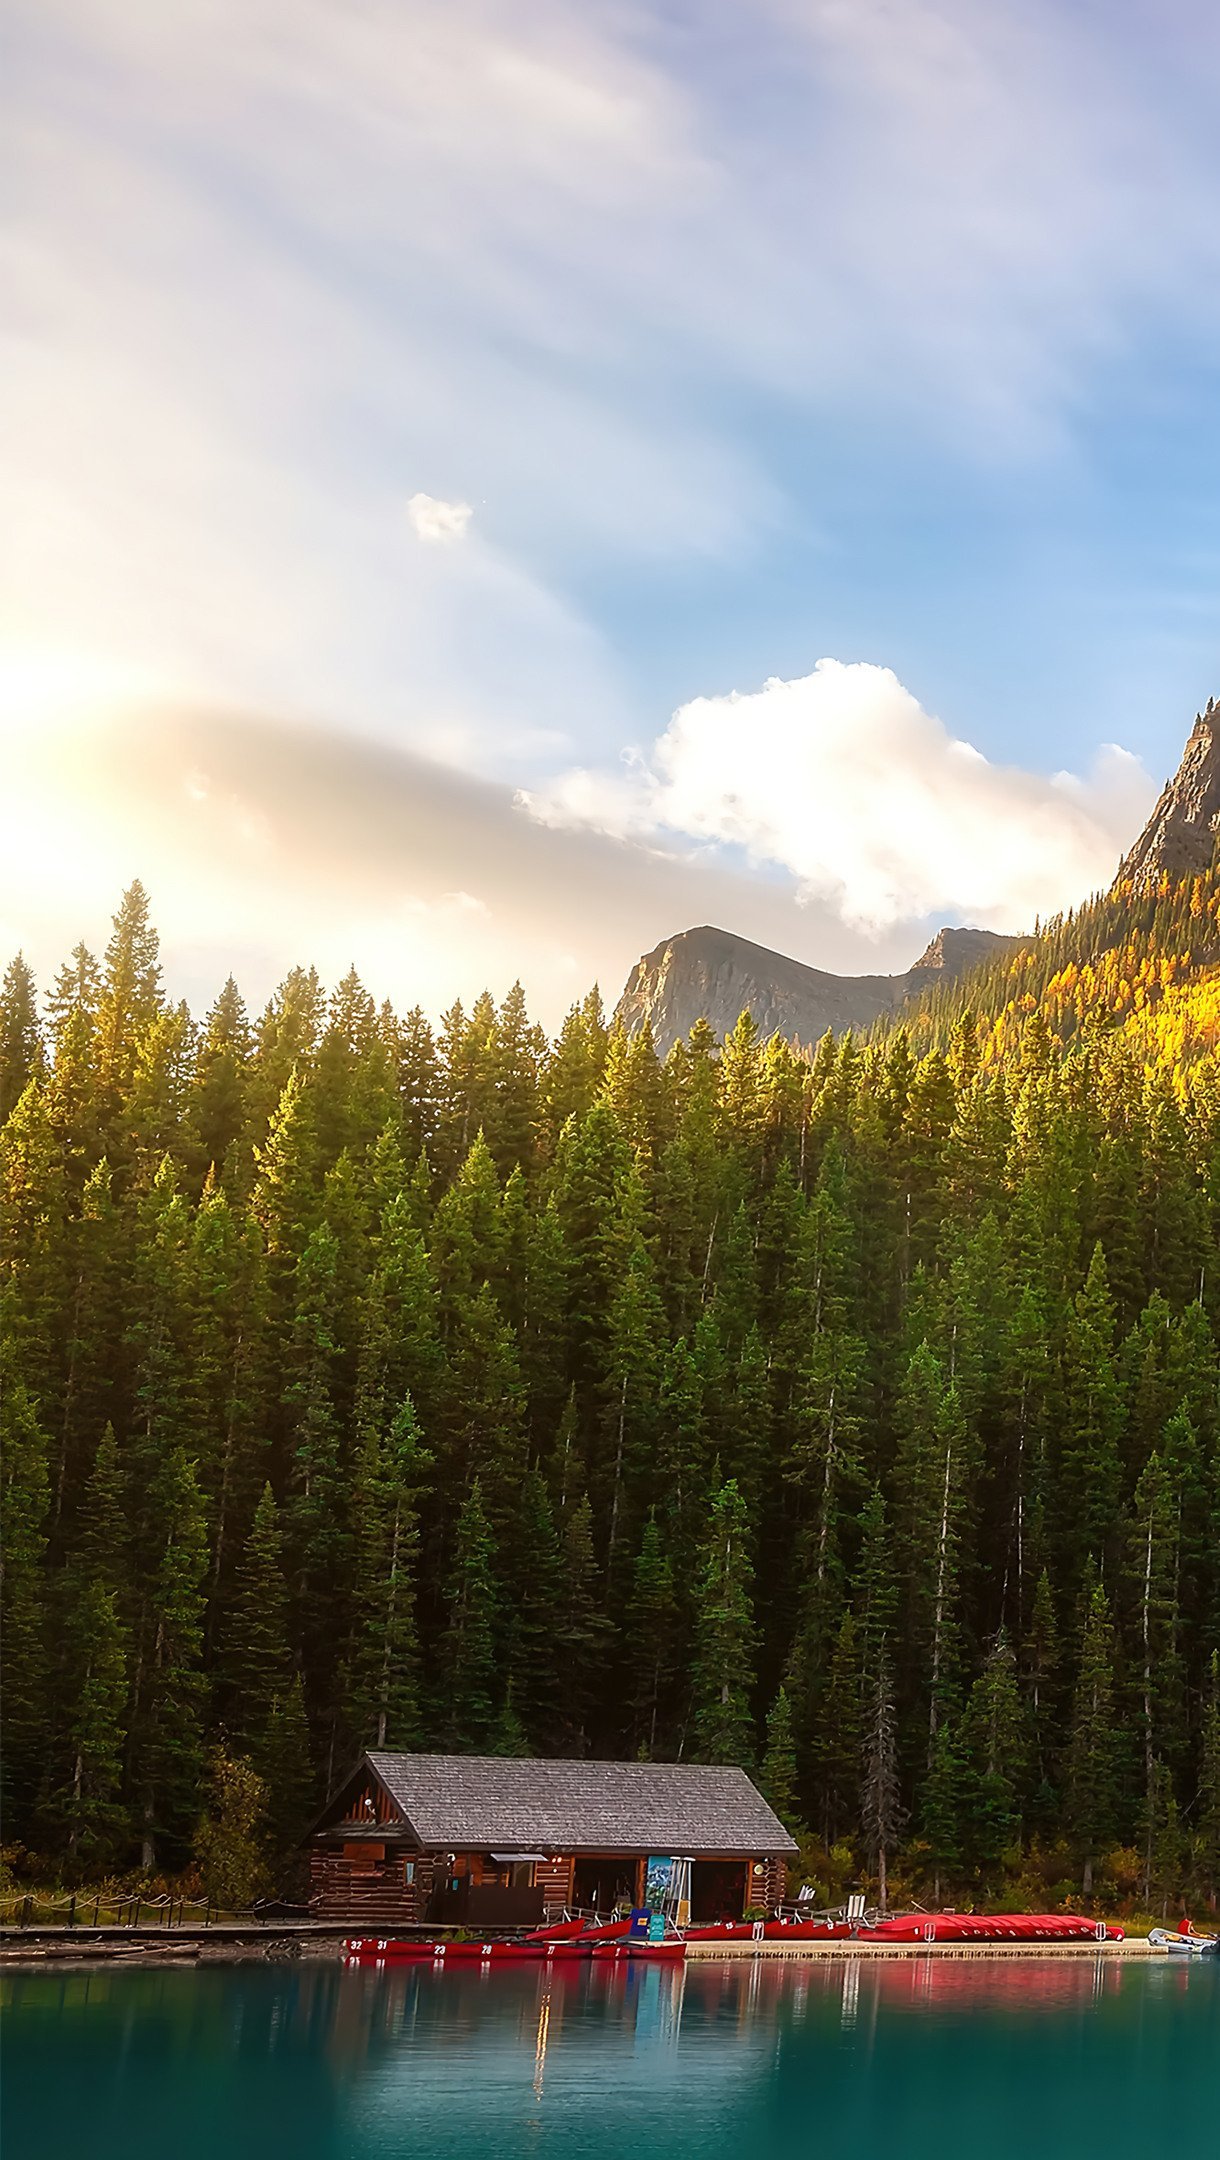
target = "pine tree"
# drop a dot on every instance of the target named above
(1041, 1664)
(168, 1703)
(1152, 1572)
(1163, 1841)
(130, 998)
(630, 1392)
(537, 1677)
(942, 1804)
(837, 1735)
(255, 1670)
(386, 1677)
(882, 1815)
(284, 1202)
(722, 1664)
(466, 1708)
(292, 1788)
(582, 1630)
(21, 1047)
(221, 1078)
(777, 1773)
(1091, 1798)
(84, 1808)
(317, 1536)
(228, 1294)
(877, 1590)
(995, 1738)
(1089, 1480)
(652, 1645)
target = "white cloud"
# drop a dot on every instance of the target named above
(435, 519)
(843, 780)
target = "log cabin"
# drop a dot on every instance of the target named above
(498, 1841)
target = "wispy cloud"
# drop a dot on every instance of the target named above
(844, 781)
(270, 264)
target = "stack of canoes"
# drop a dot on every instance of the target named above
(578, 1939)
(990, 1928)
(567, 1939)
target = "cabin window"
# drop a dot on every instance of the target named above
(363, 1856)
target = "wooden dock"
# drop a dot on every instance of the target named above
(1134, 1946)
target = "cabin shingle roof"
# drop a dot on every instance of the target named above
(497, 1803)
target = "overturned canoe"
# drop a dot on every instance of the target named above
(989, 1927)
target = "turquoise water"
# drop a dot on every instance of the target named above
(920, 2057)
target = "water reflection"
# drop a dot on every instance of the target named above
(326, 2062)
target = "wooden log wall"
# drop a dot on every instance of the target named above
(377, 1896)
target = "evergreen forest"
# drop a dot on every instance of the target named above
(855, 1418)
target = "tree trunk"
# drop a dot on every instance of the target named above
(940, 1604)
(618, 1470)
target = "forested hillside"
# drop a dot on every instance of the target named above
(1122, 957)
(480, 1392)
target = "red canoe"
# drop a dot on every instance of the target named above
(990, 1927)
(576, 1931)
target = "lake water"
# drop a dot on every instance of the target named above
(923, 2057)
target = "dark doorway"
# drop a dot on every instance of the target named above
(717, 1890)
(603, 1880)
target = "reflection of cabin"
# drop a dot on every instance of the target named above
(483, 1841)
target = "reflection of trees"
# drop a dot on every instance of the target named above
(317, 2059)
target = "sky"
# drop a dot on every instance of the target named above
(490, 486)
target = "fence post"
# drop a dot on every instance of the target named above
(25, 1912)
(72, 1911)
(97, 1906)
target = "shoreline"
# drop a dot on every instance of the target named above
(233, 1942)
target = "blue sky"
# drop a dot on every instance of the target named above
(479, 386)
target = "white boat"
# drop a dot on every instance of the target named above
(1187, 1945)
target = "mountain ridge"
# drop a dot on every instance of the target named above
(713, 974)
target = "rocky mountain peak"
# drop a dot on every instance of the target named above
(955, 952)
(1180, 836)
(710, 974)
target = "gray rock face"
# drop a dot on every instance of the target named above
(1180, 836)
(710, 974)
